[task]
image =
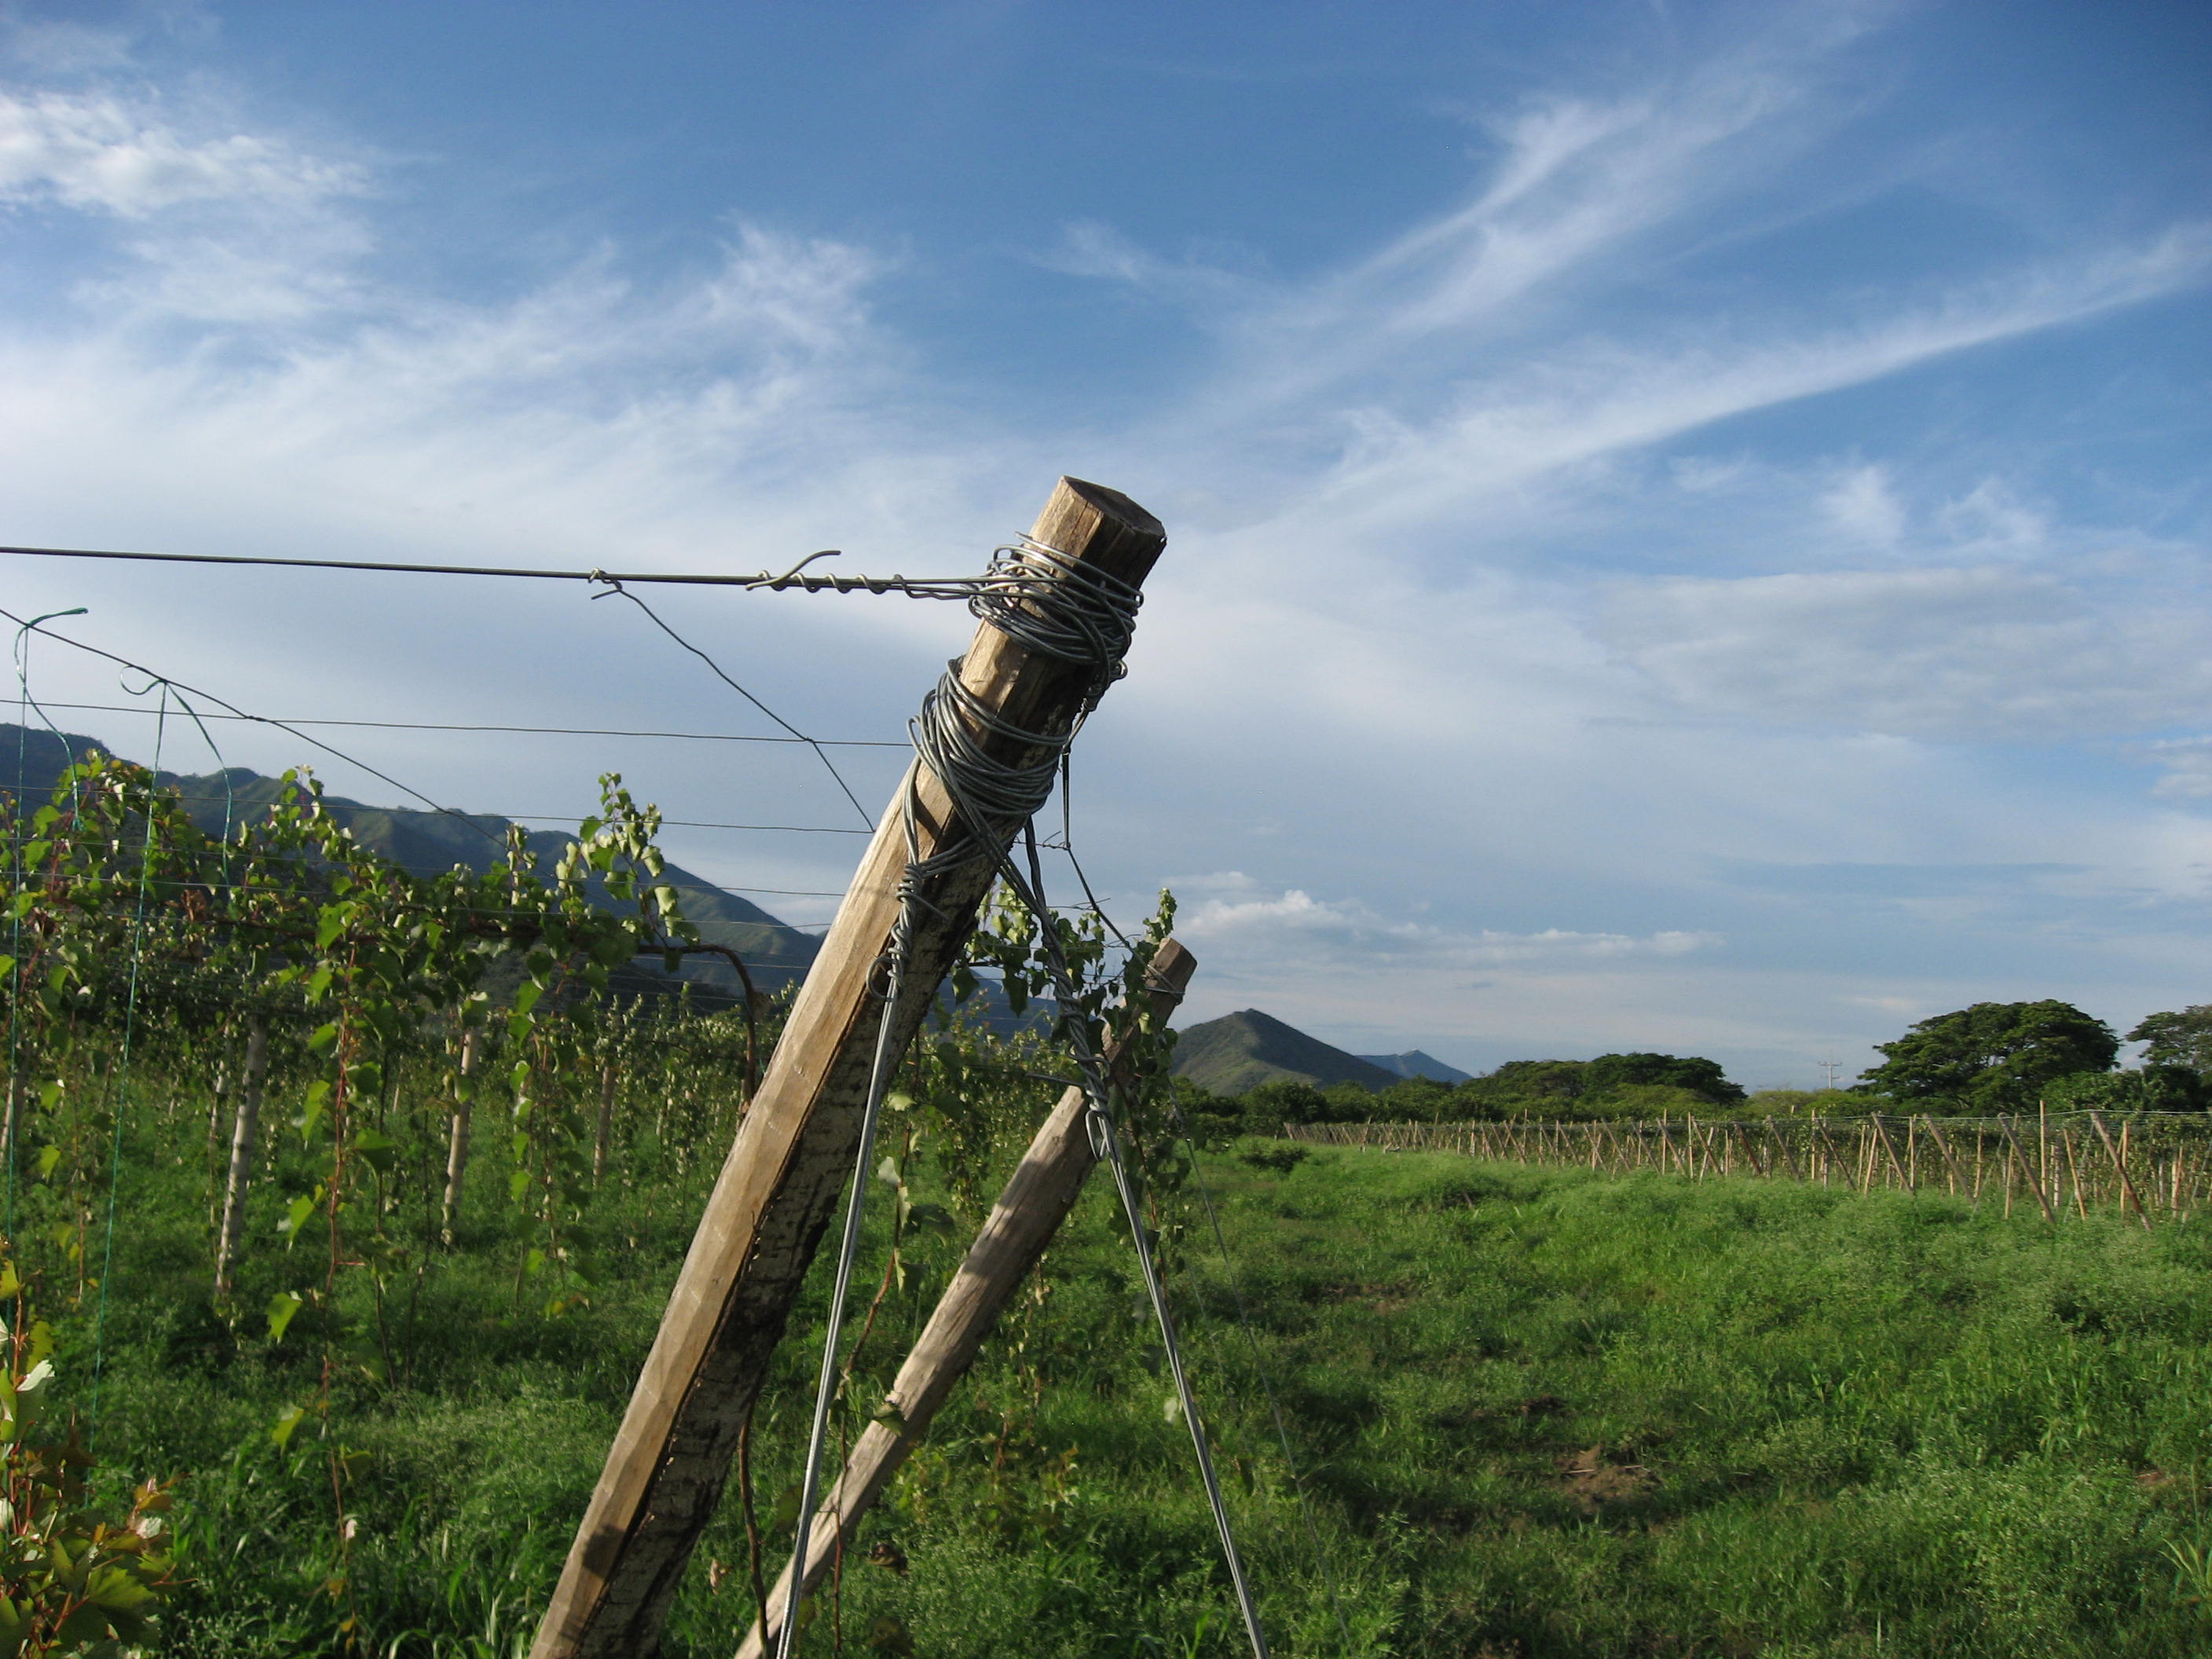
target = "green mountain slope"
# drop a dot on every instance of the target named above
(426, 842)
(1241, 1051)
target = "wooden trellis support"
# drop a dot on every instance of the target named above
(777, 1189)
(1037, 1199)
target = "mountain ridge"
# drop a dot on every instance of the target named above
(1239, 1052)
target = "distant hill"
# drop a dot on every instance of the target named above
(1415, 1063)
(428, 843)
(1239, 1052)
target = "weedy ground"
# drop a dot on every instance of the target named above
(1529, 1413)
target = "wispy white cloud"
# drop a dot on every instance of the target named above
(1864, 506)
(104, 152)
(1090, 249)
(1583, 403)
(1242, 926)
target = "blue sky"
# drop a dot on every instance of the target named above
(1689, 527)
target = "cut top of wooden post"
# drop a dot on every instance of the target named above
(773, 1199)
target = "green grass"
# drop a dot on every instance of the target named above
(1535, 1412)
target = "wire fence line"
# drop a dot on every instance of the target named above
(2147, 1165)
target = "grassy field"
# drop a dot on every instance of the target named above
(1534, 1412)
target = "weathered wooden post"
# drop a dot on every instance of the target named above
(665, 1474)
(1042, 1189)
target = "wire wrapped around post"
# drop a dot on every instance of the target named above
(1030, 666)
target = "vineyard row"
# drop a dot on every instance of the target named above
(2145, 1164)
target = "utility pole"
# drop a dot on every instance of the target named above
(665, 1474)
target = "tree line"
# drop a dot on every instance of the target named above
(1985, 1060)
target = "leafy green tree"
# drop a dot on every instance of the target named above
(2182, 1037)
(1643, 1103)
(1553, 1079)
(1700, 1077)
(1271, 1105)
(1993, 1057)
(1519, 1088)
(1416, 1100)
(2152, 1088)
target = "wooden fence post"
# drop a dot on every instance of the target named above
(779, 1185)
(1037, 1199)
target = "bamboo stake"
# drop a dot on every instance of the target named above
(2073, 1172)
(242, 1143)
(605, 1127)
(2046, 1177)
(457, 1147)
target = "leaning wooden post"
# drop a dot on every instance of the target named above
(1882, 1132)
(665, 1474)
(2042, 1198)
(1782, 1149)
(1758, 1165)
(1949, 1162)
(2128, 1192)
(1037, 1199)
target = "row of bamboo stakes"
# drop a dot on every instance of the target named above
(2144, 1163)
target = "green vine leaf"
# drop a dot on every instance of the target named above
(283, 1308)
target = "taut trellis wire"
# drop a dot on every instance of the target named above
(2147, 1164)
